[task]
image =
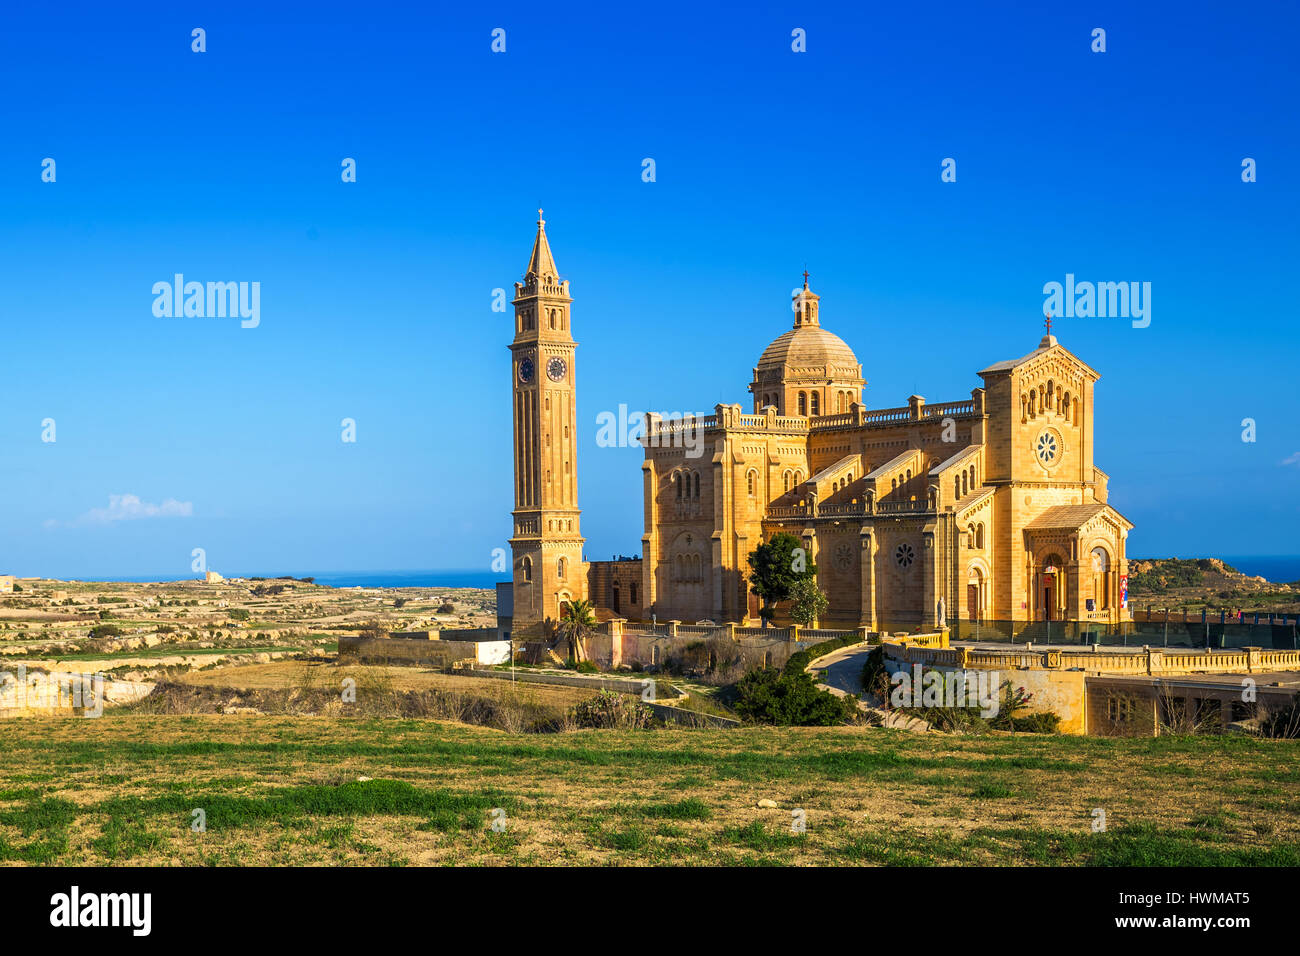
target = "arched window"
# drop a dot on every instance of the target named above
(1101, 578)
(633, 590)
(803, 403)
(560, 566)
(785, 480)
(979, 536)
(956, 486)
(677, 480)
(1065, 406)
(527, 565)
(964, 487)
(1033, 403)
(697, 484)
(749, 483)
(1050, 397)
(552, 311)
(816, 403)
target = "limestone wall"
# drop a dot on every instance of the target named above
(421, 652)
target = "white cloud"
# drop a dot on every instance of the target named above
(1291, 459)
(129, 508)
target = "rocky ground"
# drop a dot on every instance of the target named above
(141, 633)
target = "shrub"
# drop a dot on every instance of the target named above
(105, 630)
(790, 698)
(960, 719)
(875, 679)
(1283, 722)
(608, 711)
(586, 667)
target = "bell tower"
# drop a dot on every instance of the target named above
(547, 541)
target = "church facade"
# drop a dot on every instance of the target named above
(989, 508)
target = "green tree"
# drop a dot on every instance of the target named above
(808, 602)
(775, 568)
(576, 619)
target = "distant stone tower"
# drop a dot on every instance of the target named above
(547, 541)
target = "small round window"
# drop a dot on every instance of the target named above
(904, 555)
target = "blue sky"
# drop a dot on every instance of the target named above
(376, 295)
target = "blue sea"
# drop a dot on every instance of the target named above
(1278, 568)
(342, 579)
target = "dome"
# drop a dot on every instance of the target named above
(809, 346)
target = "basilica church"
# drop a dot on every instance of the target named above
(989, 508)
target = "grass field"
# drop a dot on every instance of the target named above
(284, 790)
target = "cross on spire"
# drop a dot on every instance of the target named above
(1047, 323)
(805, 277)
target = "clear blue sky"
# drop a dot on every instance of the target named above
(376, 296)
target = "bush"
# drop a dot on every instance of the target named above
(970, 720)
(105, 630)
(1283, 722)
(789, 697)
(238, 614)
(875, 679)
(799, 660)
(610, 711)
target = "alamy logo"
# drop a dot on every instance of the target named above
(81, 693)
(1104, 300)
(945, 688)
(178, 298)
(626, 429)
(72, 909)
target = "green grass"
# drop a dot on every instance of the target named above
(283, 790)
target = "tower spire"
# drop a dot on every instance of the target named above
(541, 264)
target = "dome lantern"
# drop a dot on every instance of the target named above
(807, 371)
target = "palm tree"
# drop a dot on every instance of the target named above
(577, 618)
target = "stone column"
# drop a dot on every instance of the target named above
(867, 567)
(616, 641)
(929, 595)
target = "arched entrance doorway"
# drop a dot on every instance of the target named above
(975, 595)
(1050, 584)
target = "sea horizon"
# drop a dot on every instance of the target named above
(1275, 568)
(422, 578)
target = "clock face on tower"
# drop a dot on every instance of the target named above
(526, 370)
(555, 369)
